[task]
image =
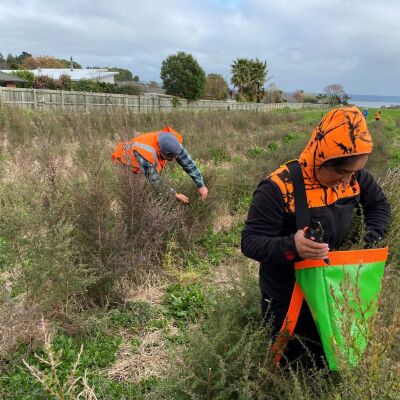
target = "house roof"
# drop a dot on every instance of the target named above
(75, 74)
(5, 77)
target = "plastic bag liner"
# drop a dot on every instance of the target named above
(343, 299)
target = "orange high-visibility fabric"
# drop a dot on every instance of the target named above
(125, 151)
(289, 323)
(342, 132)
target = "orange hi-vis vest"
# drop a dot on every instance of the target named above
(146, 145)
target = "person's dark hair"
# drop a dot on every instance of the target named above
(341, 162)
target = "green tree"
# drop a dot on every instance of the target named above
(67, 63)
(259, 73)
(19, 59)
(241, 74)
(3, 62)
(249, 77)
(216, 87)
(182, 76)
(24, 74)
(123, 74)
(10, 60)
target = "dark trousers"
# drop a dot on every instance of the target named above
(307, 349)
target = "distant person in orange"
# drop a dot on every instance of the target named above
(377, 116)
(148, 154)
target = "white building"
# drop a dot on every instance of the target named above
(94, 74)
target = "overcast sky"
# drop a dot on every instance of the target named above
(307, 44)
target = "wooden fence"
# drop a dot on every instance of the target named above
(85, 101)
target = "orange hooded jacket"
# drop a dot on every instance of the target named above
(342, 132)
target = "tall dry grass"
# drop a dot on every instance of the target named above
(73, 227)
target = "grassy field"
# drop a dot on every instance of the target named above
(109, 291)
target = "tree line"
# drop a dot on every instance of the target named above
(182, 76)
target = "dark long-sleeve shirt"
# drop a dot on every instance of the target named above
(268, 235)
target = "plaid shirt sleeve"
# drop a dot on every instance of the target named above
(186, 162)
(155, 179)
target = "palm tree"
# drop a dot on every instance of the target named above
(241, 74)
(258, 77)
(249, 77)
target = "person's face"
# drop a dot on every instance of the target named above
(166, 156)
(340, 176)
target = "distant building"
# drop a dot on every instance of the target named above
(9, 80)
(93, 74)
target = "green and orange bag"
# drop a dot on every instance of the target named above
(343, 298)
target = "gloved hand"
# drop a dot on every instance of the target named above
(371, 239)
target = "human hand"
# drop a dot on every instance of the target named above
(182, 198)
(203, 192)
(307, 248)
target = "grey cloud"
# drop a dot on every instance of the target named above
(307, 43)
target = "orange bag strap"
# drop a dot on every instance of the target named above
(289, 323)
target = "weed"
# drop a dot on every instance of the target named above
(255, 152)
(219, 245)
(184, 303)
(133, 315)
(273, 146)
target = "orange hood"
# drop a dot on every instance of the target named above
(342, 132)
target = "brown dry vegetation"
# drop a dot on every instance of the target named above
(95, 251)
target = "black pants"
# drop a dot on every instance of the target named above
(308, 350)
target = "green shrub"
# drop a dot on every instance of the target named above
(44, 82)
(59, 367)
(219, 245)
(256, 151)
(24, 74)
(291, 136)
(133, 315)
(64, 82)
(130, 89)
(184, 303)
(273, 146)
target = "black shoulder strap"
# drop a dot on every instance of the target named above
(300, 198)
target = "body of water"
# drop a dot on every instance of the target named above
(373, 104)
(372, 101)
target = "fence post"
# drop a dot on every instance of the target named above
(86, 103)
(139, 103)
(1, 97)
(62, 99)
(34, 99)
